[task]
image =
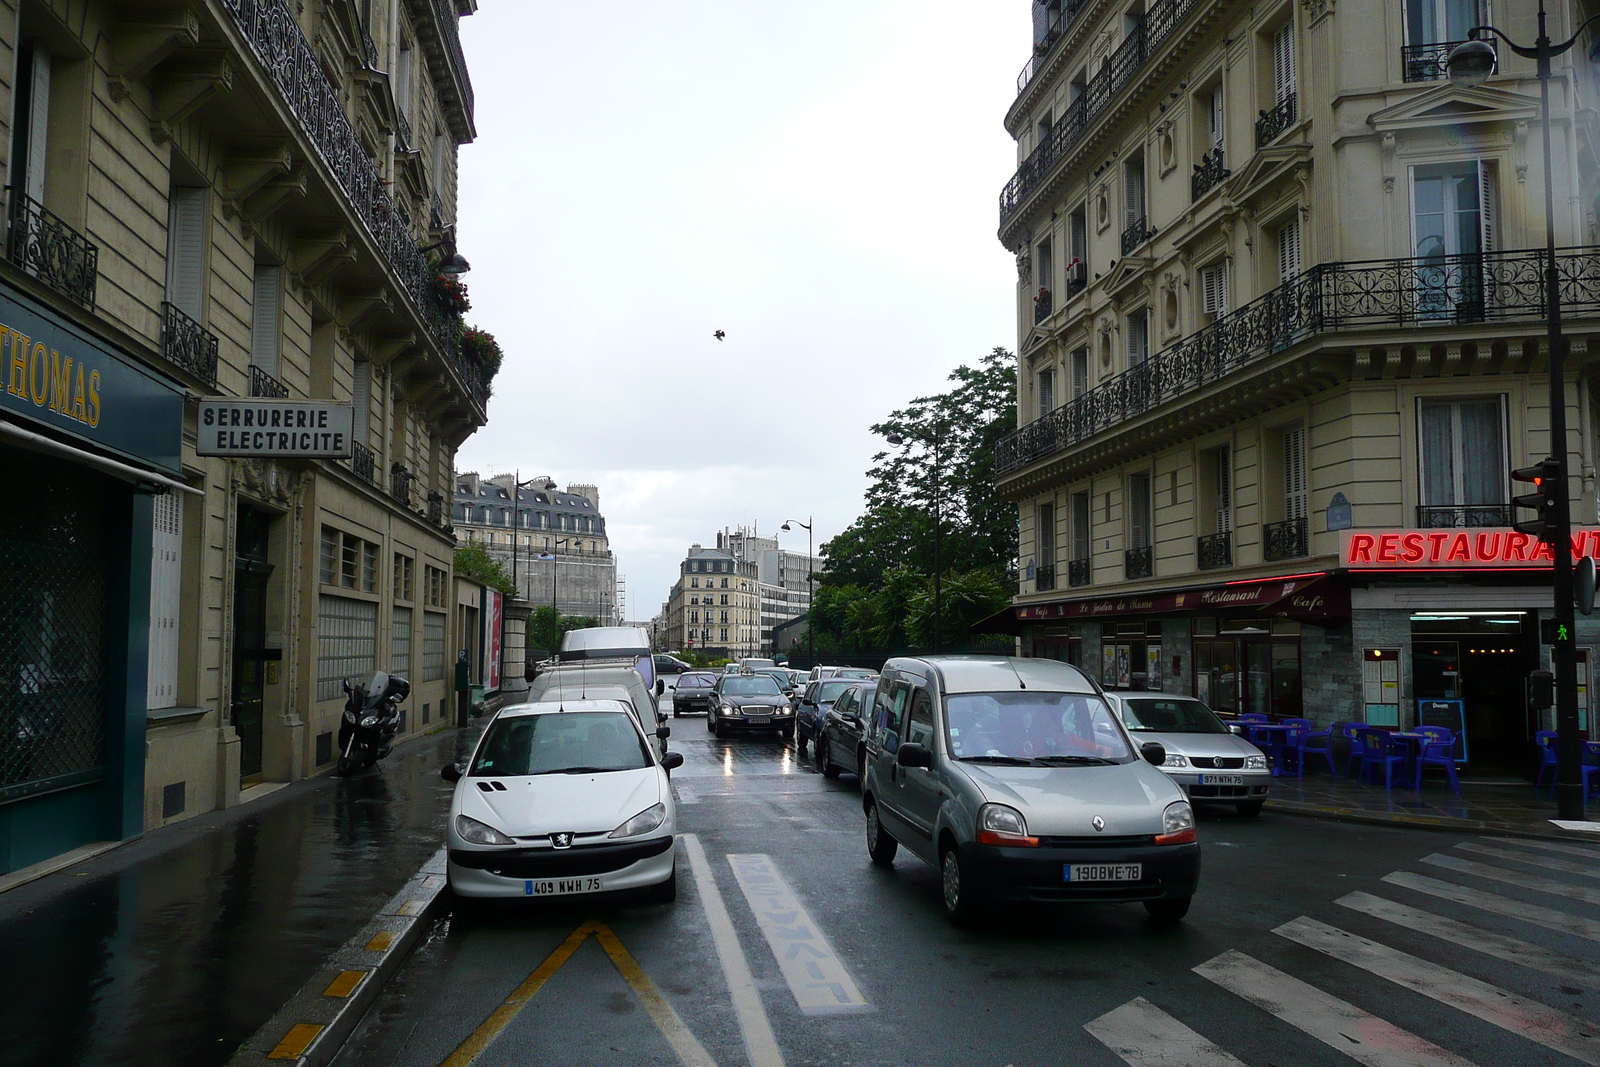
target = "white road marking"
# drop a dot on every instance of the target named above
(1549, 918)
(816, 975)
(1486, 941)
(1571, 824)
(1363, 1037)
(1549, 863)
(758, 1037)
(1549, 846)
(1505, 874)
(1526, 1018)
(1144, 1035)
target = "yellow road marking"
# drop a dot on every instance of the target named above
(411, 907)
(381, 941)
(480, 1038)
(295, 1042)
(345, 984)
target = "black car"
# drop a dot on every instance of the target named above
(841, 742)
(693, 692)
(749, 702)
(669, 664)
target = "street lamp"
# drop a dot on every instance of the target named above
(811, 624)
(1468, 64)
(516, 519)
(555, 612)
(935, 437)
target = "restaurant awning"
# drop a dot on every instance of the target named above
(1310, 597)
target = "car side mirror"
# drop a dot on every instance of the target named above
(663, 732)
(661, 686)
(1153, 752)
(450, 772)
(1235, 729)
(672, 761)
(911, 754)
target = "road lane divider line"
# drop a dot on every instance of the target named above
(1537, 1022)
(1466, 935)
(1549, 846)
(1549, 863)
(817, 977)
(760, 1043)
(508, 1010)
(671, 1025)
(1494, 903)
(1338, 1024)
(1535, 882)
(1142, 1034)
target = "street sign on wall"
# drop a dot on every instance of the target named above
(287, 429)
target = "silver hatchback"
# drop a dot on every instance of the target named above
(1207, 759)
(1017, 781)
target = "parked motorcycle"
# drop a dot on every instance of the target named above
(371, 719)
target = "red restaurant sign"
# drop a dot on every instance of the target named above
(1363, 550)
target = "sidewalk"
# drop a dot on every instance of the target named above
(175, 948)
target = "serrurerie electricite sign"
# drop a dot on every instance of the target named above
(287, 429)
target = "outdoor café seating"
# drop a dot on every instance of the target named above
(1358, 751)
(1381, 750)
(1437, 749)
(1318, 743)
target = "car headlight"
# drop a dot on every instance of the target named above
(725, 707)
(1002, 825)
(1255, 763)
(642, 823)
(1177, 824)
(479, 833)
(1175, 759)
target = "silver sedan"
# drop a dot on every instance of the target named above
(1204, 757)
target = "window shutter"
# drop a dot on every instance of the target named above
(1216, 117)
(402, 80)
(265, 303)
(1139, 510)
(1289, 250)
(1138, 338)
(1224, 490)
(361, 400)
(166, 575)
(186, 250)
(38, 121)
(1133, 191)
(1486, 205)
(1214, 289)
(1047, 392)
(1294, 473)
(1080, 372)
(1080, 526)
(1046, 535)
(1283, 61)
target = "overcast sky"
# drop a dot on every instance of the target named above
(817, 179)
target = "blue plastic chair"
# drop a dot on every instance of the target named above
(1439, 751)
(1382, 751)
(1291, 742)
(1546, 740)
(1358, 751)
(1319, 742)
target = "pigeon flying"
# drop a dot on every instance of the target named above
(719, 335)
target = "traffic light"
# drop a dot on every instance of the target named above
(1541, 690)
(1544, 477)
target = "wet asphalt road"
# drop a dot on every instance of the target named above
(1021, 989)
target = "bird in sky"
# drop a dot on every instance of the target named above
(719, 335)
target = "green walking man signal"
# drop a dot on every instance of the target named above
(1552, 632)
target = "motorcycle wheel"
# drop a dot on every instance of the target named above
(346, 766)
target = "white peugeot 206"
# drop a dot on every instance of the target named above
(563, 798)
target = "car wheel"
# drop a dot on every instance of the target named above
(710, 725)
(664, 892)
(880, 845)
(720, 730)
(787, 731)
(1167, 912)
(825, 764)
(1249, 809)
(961, 903)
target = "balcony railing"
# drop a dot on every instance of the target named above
(187, 344)
(1137, 234)
(437, 515)
(400, 482)
(1213, 551)
(1138, 562)
(273, 34)
(1207, 173)
(363, 463)
(402, 131)
(1077, 278)
(47, 248)
(1043, 305)
(1044, 577)
(1054, 30)
(1425, 62)
(1163, 17)
(1271, 123)
(1285, 540)
(1427, 291)
(264, 384)
(1452, 516)
(1078, 572)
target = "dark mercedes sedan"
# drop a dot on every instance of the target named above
(693, 693)
(749, 702)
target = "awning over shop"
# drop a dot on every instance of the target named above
(1310, 597)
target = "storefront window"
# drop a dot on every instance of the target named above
(1247, 668)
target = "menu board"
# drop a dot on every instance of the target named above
(1380, 686)
(1452, 715)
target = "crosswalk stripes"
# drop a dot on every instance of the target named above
(1142, 1034)
(1549, 846)
(1549, 863)
(1538, 883)
(1538, 915)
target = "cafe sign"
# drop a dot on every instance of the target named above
(1366, 550)
(282, 429)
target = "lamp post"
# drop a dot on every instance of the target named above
(936, 439)
(518, 485)
(1471, 63)
(811, 641)
(555, 612)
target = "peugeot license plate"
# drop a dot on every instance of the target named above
(1102, 872)
(560, 887)
(1222, 779)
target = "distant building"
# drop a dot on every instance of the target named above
(783, 576)
(715, 605)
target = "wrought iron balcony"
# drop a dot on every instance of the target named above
(264, 384)
(1077, 278)
(1207, 173)
(1055, 29)
(1214, 550)
(1137, 234)
(1078, 572)
(1138, 563)
(364, 463)
(1044, 577)
(436, 510)
(400, 482)
(369, 50)
(1160, 21)
(1452, 516)
(47, 248)
(1271, 123)
(402, 131)
(187, 344)
(1425, 62)
(1043, 305)
(1427, 291)
(1285, 540)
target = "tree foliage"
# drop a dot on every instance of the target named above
(546, 626)
(473, 561)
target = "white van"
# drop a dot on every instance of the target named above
(627, 643)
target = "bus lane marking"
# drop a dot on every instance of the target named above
(817, 977)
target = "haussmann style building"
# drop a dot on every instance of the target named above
(1280, 343)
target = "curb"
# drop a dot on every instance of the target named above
(312, 1025)
(1398, 820)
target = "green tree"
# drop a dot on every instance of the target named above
(966, 599)
(473, 561)
(546, 626)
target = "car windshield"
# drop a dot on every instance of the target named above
(856, 672)
(1170, 716)
(757, 686)
(828, 692)
(697, 681)
(1033, 727)
(777, 676)
(561, 743)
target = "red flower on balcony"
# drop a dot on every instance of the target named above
(1042, 294)
(452, 294)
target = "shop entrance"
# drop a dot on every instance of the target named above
(1244, 666)
(251, 571)
(1058, 647)
(1481, 660)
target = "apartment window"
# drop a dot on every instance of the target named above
(724, 596)
(1222, 488)
(1138, 326)
(347, 642)
(1080, 526)
(1214, 290)
(694, 617)
(1133, 212)
(361, 401)
(403, 574)
(724, 585)
(1044, 127)
(1045, 531)
(432, 646)
(1047, 392)
(1440, 21)
(1452, 208)
(186, 249)
(265, 308)
(1283, 62)
(1461, 444)
(438, 582)
(1080, 371)
(1289, 250)
(1139, 532)
(31, 118)
(722, 616)
(1044, 265)
(1215, 118)
(724, 633)
(400, 643)
(1296, 489)
(403, 66)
